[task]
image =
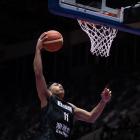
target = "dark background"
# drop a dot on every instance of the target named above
(83, 75)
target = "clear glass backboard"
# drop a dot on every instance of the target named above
(100, 11)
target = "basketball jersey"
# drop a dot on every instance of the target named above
(56, 120)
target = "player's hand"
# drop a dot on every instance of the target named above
(106, 95)
(43, 37)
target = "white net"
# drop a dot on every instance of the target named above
(101, 37)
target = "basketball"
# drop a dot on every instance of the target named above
(54, 41)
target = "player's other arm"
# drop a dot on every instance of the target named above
(42, 90)
(83, 115)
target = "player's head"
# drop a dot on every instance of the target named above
(57, 89)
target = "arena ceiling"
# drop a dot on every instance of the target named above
(24, 20)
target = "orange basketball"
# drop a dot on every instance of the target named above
(54, 41)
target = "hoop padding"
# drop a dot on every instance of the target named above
(101, 37)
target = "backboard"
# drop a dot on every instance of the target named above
(124, 17)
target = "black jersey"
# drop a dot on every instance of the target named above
(56, 120)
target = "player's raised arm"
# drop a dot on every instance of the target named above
(43, 92)
(83, 115)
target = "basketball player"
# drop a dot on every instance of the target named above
(57, 115)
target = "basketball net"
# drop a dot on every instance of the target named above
(101, 37)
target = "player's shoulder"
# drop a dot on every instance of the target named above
(72, 105)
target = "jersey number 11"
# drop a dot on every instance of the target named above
(66, 116)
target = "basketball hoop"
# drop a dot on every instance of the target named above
(101, 37)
